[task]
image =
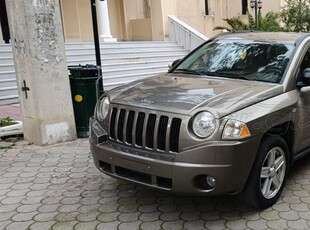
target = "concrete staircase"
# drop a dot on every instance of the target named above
(122, 62)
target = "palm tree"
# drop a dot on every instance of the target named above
(267, 23)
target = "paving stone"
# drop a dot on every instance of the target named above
(7, 215)
(270, 215)
(65, 225)
(215, 215)
(235, 215)
(277, 224)
(69, 208)
(257, 224)
(167, 208)
(108, 217)
(128, 208)
(24, 216)
(87, 217)
(13, 200)
(199, 224)
(290, 215)
(215, 224)
(129, 217)
(32, 200)
(171, 216)
(173, 225)
(236, 224)
(9, 207)
(28, 207)
(19, 225)
(108, 226)
(45, 217)
(42, 225)
(190, 216)
(3, 224)
(130, 226)
(298, 224)
(87, 226)
(148, 208)
(66, 217)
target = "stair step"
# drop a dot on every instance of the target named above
(122, 62)
(121, 44)
(7, 91)
(122, 55)
(10, 99)
(106, 60)
(8, 82)
(113, 50)
(129, 71)
(7, 67)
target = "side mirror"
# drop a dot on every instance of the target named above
(170, 66)
(306, 76)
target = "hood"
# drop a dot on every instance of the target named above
(187, 94)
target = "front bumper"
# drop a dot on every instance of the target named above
(228, 162)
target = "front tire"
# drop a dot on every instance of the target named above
(267, 178)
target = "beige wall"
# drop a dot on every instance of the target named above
(124, 14)
(76, 19)
(116, 15)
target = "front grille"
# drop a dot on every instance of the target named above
(145, 130)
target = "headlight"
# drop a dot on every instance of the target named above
(235, 130)
(204, 124)
(102, 108)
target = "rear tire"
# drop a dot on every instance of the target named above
(267, 178)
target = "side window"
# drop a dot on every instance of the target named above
(206, 7)
(244, 6)
(304, 65)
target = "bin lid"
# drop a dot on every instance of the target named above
(83, 70)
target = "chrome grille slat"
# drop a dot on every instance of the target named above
(156, 133)
(162, 132)
(134, 128)
(125, 126)
(129, 127)
(150, 131)
(139, 129)
(145, 130)
(175, 134)
(120, 125)
(167, 141)
(112, 123)
(116, 124)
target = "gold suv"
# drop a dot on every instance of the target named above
(229, 118)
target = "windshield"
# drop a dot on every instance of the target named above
(242, 59)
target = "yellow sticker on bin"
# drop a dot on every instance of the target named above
(78, 98)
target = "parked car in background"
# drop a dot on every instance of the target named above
(229, 118)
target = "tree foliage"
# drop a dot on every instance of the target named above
(270, 22)
(296, 15)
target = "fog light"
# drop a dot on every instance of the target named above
(211, 181)
(204, 182)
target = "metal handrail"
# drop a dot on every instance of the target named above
(184, 34)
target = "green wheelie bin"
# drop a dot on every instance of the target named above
(83, 83)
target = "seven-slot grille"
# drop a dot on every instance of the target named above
(146, 130)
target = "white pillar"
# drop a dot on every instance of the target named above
(104, 21)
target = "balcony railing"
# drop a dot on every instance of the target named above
(184, 34)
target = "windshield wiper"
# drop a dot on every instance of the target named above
(188, 71)
(227, 74)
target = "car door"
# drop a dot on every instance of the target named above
(303, 109)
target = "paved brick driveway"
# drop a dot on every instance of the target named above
(58, 187)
